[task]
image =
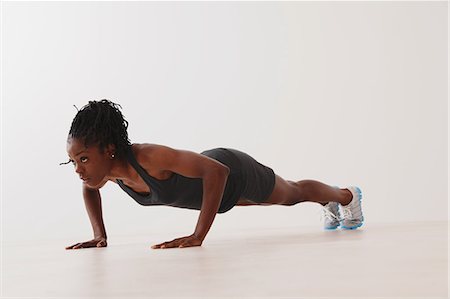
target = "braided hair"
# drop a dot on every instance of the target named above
(102, 123)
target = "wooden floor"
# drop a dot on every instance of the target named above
(385, 260)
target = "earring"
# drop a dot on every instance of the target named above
(112, 156)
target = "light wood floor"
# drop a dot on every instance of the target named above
(385, 260)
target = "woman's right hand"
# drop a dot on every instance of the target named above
(97, 242)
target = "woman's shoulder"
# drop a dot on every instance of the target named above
(147, 154)
(144, 146)
(143, 150)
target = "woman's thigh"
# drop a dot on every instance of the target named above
(284, 192)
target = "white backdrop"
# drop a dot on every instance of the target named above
(348, 93)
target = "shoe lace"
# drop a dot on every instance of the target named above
(346, 212)
(329, 215)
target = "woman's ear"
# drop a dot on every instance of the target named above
(111, 151)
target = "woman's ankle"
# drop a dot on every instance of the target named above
(347, 197)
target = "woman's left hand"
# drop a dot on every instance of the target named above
(188, 241)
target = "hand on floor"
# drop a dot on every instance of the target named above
(188, 241)
(97, 242)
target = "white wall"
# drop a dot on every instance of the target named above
(348, 93)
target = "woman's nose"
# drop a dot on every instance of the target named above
(78, 168)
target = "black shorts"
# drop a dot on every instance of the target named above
(256, 181)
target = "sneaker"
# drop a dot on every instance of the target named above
(352, 213)
(331, 215)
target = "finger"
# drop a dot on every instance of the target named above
(172, 244)
(169, 244)
(72, 246)
(164, 245)
(88, 244)
(84, 245)
(157, 246)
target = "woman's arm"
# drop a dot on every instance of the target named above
(93, 205)
(213, 187)
(214, 175)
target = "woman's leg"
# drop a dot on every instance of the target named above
(289, 193)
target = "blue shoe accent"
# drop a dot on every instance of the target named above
(331, 227)
(352, 227)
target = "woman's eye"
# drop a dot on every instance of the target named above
(83, 159)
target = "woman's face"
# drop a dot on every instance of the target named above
(91, 165)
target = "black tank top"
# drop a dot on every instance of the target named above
(184, 192)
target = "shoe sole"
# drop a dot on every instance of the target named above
(331, 228)
(362, 219)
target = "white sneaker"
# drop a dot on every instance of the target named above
(331, 215)
(352, 213)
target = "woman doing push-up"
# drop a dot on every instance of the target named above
(213, 181)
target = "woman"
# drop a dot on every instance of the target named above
(213, 182)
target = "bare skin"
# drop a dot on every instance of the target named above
(161, 162)
(288, 193)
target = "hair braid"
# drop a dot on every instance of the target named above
(102, 123)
